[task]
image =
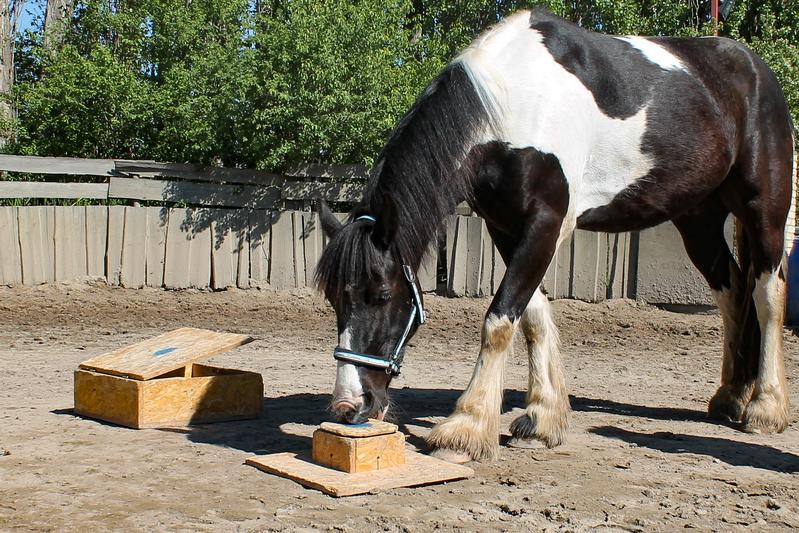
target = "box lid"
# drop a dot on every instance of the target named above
(156, 356)
(371, 428)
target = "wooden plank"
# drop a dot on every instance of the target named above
(217, 396)
(36, 244)
(299, 248)
(456, 256)
(200, 248)
(499, 271)
(586, 266)
(201, 194)
(133, 272)
(155, 254)
(57, 165)
(69, 243)
(260, 226)
(44, 189)
(617, 248)
(198, 172)
(109, 398)
(10, 260)
(242, 231)
(177, 250)
(116, 232)
(329, 191)
(158, 355)
(418, 470)
(282, 273)
(487, 274)
(224, 251)
(358, 454)
(371, 428)
(312, 244)
(428, 270)
(474, 255)
(314, 170)
(96, 239)
(563, 274)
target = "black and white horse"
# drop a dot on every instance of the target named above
(544, 127)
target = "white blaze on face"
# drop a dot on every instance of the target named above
(348, 383)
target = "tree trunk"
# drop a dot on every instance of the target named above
(56, 17)
(6, 70)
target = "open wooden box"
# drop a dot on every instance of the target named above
(157, 383)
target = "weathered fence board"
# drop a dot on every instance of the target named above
(96, 240)
(57, 165)
(229, 238)
(260, 226)
(282, 274)
(116, 231)
(36, 244)
(312, 241)
(69, 238)
(329, 191)
(456, 255)
(202, 194)
(45, 189)
(312, 170)
(197, 172)
(157, 223)
(177, 251)
(10, 261)
(133, 270)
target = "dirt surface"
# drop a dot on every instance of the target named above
(640, 454)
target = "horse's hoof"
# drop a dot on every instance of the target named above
(726, 405)
(765, 414)
(526, 444)
(547, 426)
(451, 456)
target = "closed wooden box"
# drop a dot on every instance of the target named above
(360, 448)
(155, 383)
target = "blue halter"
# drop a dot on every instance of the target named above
(393, 364)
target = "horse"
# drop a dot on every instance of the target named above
(544, 127)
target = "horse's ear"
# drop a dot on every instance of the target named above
(386, 225)
(330, 224)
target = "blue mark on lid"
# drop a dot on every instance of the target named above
(361, 425)
(164, 351)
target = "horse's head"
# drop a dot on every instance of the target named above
(378, 308)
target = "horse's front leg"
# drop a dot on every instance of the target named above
(472, 431)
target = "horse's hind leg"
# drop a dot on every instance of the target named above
(759, 195)
(702, 232)
(547, 412)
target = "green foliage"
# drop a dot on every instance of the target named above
(271, 83)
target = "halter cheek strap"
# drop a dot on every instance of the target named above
(393, 364)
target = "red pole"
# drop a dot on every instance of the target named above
(714, 14)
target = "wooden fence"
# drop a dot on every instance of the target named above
(202, 248)
(249, 228)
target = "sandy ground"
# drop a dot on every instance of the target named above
(640, 454)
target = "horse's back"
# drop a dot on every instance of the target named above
(643, 127)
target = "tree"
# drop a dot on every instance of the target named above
(57, 14)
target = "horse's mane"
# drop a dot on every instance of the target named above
(419, 177)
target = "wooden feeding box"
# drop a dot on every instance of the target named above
(157, 383)
(356, 459)
(359, 448)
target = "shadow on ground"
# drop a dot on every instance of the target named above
(411, 406)
(734, 453)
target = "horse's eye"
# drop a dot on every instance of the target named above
(383, 297)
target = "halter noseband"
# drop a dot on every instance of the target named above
(391, 365)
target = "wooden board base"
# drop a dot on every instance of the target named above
(418, 470)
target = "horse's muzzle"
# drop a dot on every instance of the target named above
(360, 410)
